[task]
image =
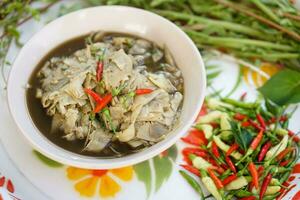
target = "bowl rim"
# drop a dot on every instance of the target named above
(91, 162)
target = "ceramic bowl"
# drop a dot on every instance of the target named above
(119, 19)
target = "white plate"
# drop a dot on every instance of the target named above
(34, 180)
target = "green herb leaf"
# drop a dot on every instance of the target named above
(107, 116)
(283, 88)
(272, 107)
(241, 136)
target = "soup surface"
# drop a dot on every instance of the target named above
(106, 94)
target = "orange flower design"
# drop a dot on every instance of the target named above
(87, 180)
(256, 78)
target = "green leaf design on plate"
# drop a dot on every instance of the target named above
(47, 161)
(163, 169)
(144, 174)
(162, 165)
(172, 152)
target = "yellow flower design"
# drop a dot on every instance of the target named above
(87, 180)
(256, 78)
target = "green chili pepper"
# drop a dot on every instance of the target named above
(283, 169)
(243, 193)
(284, 177)
(193, 183)
(241, 104)
(225, 174)
(273, 138)
(271, 197)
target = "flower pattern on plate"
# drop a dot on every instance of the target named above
(88, 181)
(254, 78)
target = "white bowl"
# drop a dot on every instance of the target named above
(112, 19)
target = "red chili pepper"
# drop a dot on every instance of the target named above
(230, 164)
(251, 186)
(143, 91)
(255, 142)
(245, 124)
(241, 151)
(281, 119)
(295, 137)
(248, 198)
(212, 161)
(264, 186)
(243, 96)
(255, 125)
(239, 116)
(215, 165)
(282, 154)
(261, 121)
(284, 163)
(260, 170)
(216, 180)
(264, 151)
(195, 137)
(229, 179)
(198, 152)
(224, 166)
(214, 149)
(283, 191)
(254, 174)
(187, 160)
(234, 147)
(202, 112)
(99, 70)
(93, 94)
(105, 100)
(214, 124)
(191, 169)
(218, 169)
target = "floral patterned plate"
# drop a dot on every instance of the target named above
(26, 174)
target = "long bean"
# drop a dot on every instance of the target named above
(225, 24)
(236, 42)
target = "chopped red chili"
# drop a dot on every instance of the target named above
(143, 91)
(106, 99)
(93, 94)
